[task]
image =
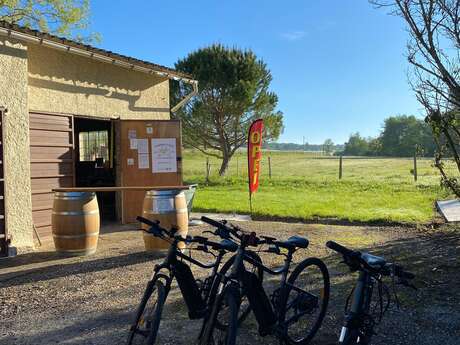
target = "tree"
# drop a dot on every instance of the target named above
(60, 17)
(328, 146)
(434, 41)
(375, 147)
(403, 135)
(356, 146)
(233, 92)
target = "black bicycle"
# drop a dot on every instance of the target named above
(358, 327)
(198, 295)
(295, 310)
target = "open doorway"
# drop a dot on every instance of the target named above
(94, 161)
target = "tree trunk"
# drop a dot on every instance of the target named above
(225, 160)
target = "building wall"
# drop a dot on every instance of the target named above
(34, 77)
(13, 95)
(67, 83)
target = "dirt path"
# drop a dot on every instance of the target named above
(47, 299)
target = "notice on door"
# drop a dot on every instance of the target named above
(133, 144)
(143, 153)
(143, 161)
(143, 146)
(164, 158)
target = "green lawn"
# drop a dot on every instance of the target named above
(306, 187)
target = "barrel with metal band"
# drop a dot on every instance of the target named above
(169, 207)
(75, 222)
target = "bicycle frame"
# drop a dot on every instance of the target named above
(280, 310)
(171, 258)
(360, 306)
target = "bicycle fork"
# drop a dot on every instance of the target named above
(351, 332)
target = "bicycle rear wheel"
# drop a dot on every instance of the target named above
(305, 301)
(148, 317)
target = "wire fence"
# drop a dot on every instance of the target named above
(277, 166)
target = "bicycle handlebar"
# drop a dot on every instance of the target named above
(160, 232)
(355, 256)
(222, 230)
(341, 249)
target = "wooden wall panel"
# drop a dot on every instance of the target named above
(51, 164)
(131, 175)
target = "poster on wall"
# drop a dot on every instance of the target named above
(164, 158)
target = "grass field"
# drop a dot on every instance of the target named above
(307, 187)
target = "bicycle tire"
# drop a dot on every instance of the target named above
(230, 298)
(152, 319)
(351, 338)
(260, 274)
(322, 301)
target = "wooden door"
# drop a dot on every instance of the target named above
(141, 168)
(51, 164)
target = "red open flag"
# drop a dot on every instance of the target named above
(254, 154)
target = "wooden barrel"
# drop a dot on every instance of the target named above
(75, 222)
(170, 208)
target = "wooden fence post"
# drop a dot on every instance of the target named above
(340, 167)
(415, 167)
(269, 168)
(237, 167)
(208, 169)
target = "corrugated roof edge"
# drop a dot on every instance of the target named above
(89, 48)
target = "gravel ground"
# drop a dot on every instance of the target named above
(48, 299)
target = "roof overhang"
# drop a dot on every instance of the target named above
(72, 47)
(36, 37)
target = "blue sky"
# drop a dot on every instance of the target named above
(338, 66)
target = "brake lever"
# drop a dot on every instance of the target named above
(209, 232)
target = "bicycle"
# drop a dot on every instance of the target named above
(198, 297)
(288, 303)
(358, 327)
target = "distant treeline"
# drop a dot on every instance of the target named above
(401, 136)
(300, 147)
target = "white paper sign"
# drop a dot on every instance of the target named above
(143, 160)
(164, 159)
(163, 205)
(149, 130)
(132, 134)
(130, 161)
(143, 146)
(133, 144)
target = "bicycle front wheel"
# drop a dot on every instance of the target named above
(224, 312)
(305, 300)
(148, 317)
(349, 337)
(245, 308)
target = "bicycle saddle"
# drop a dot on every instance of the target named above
(373, 261)
(228, 245)
(295, 242)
